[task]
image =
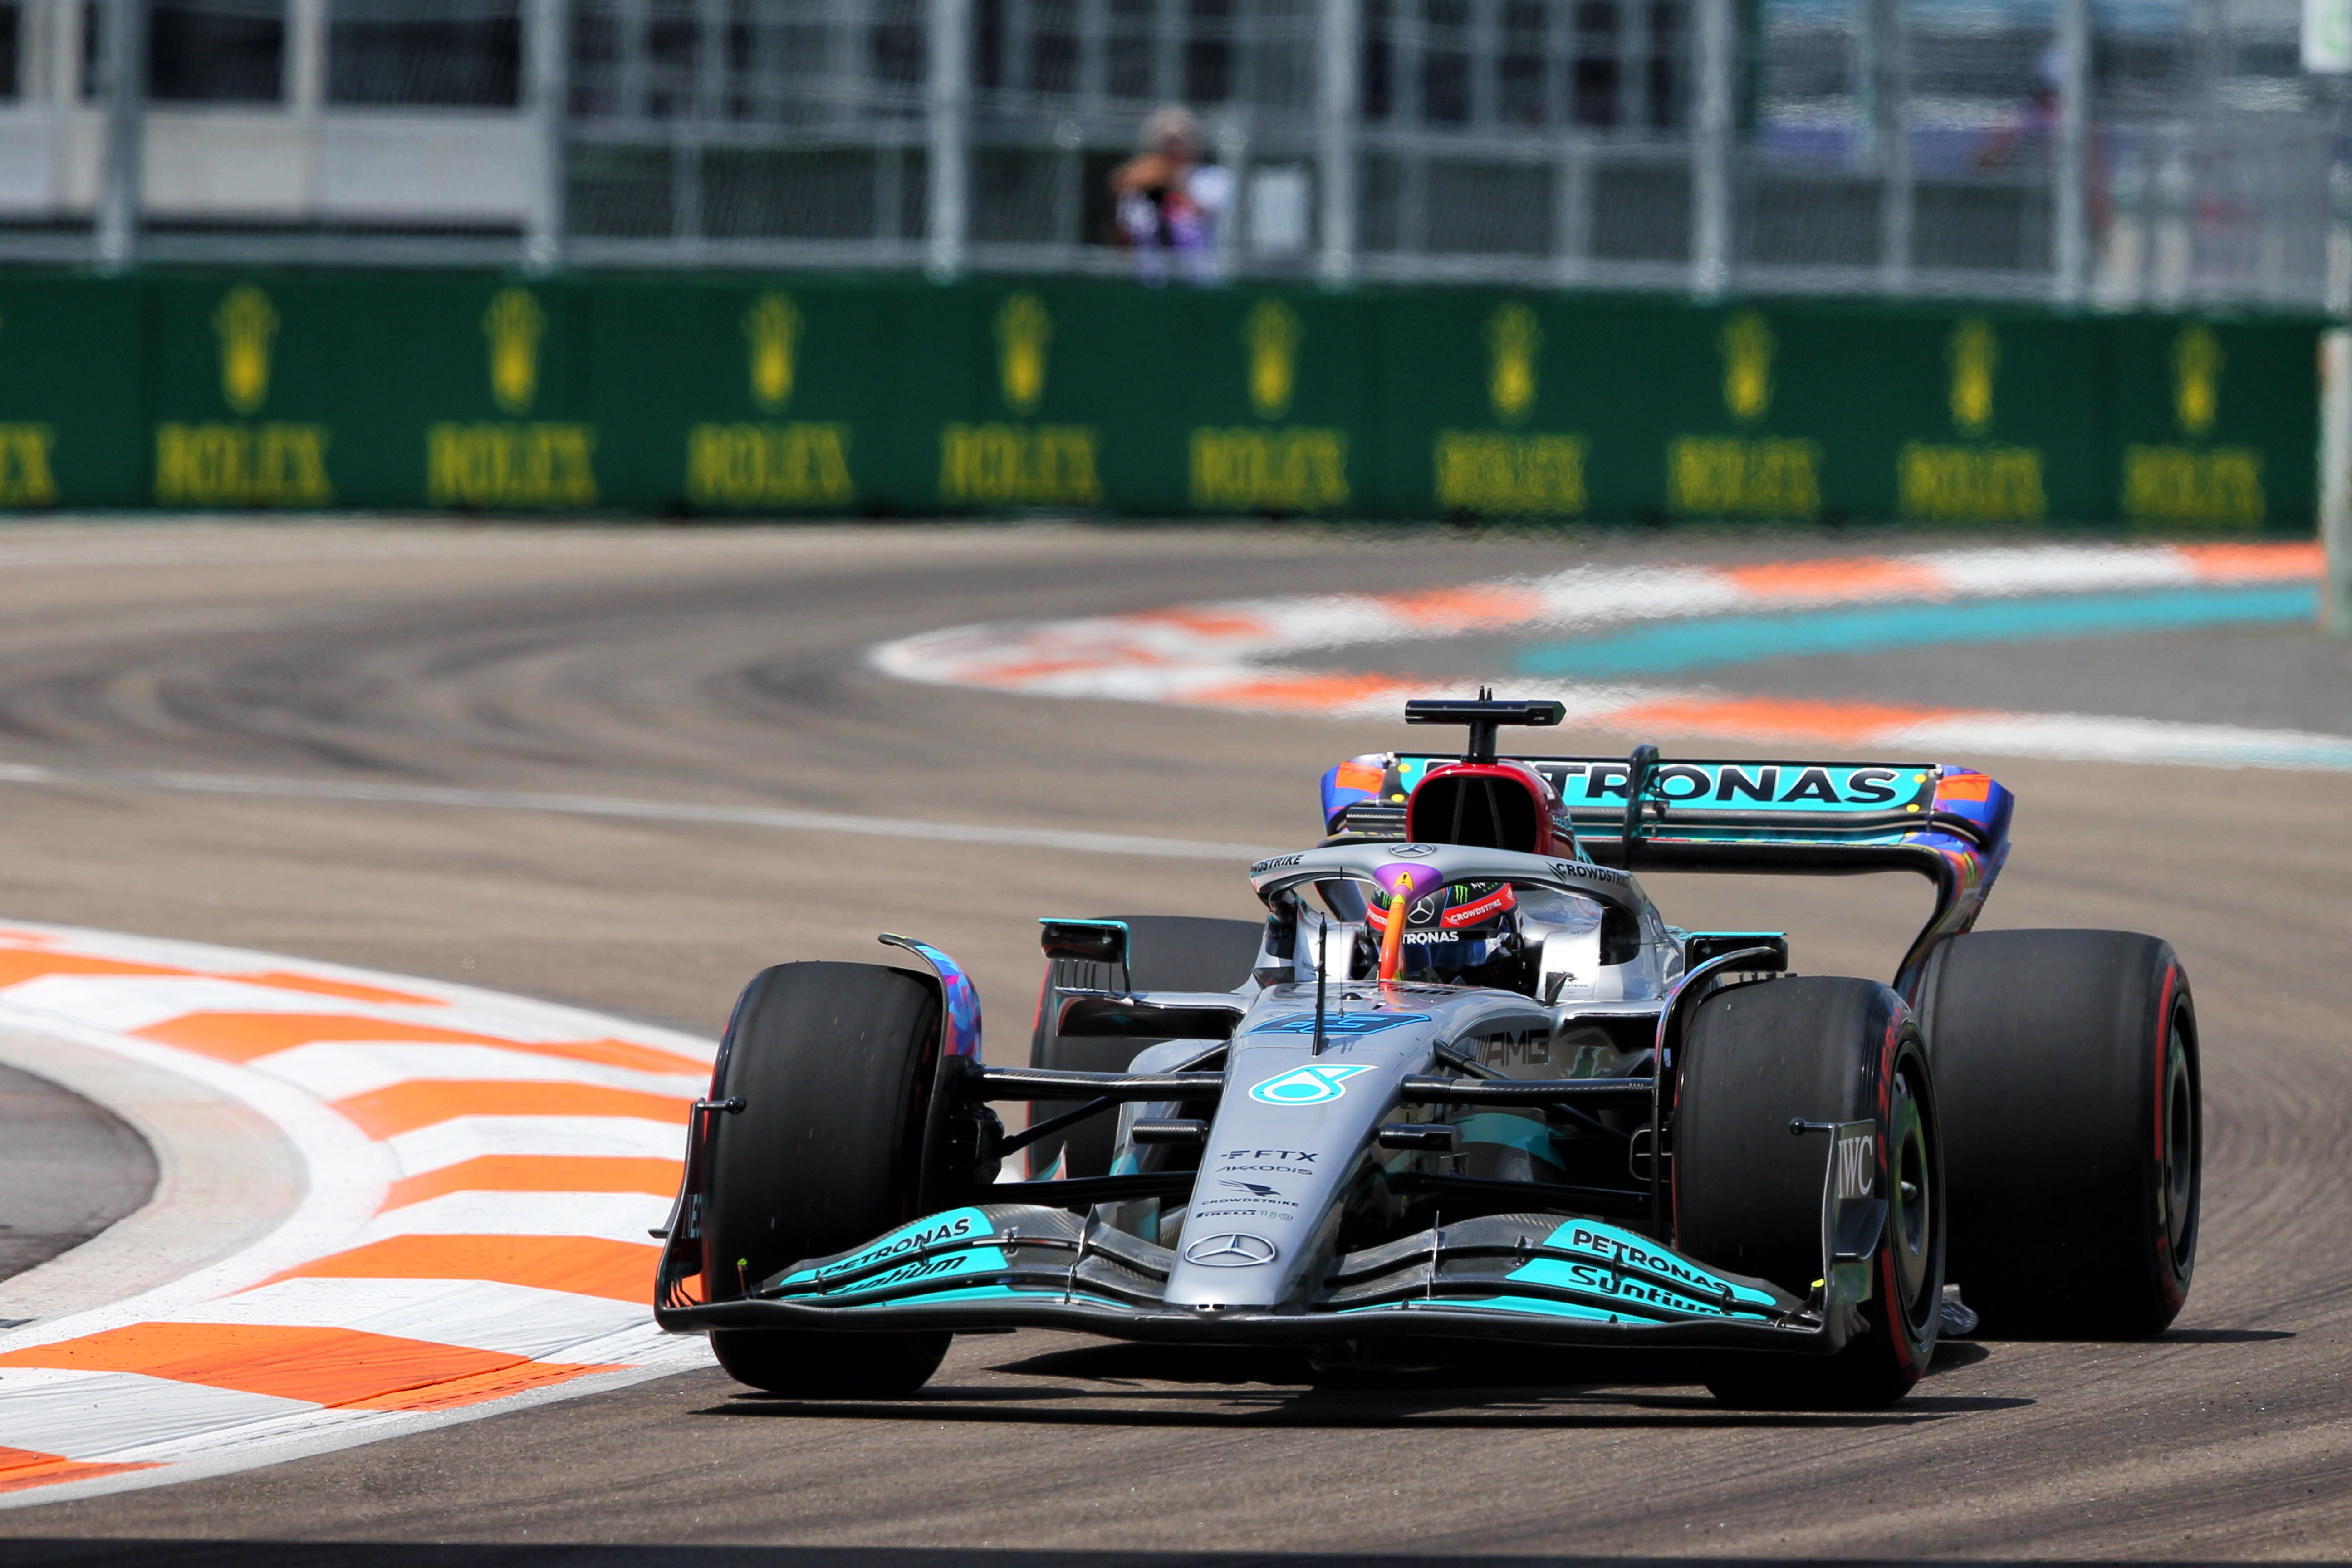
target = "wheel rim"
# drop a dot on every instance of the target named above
(1911, 1203)
(2177, 1169)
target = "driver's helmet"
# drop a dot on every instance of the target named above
(1452, 935)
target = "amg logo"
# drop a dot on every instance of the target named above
(1857, 1165)
(1503, 1050)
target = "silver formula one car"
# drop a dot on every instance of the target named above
(1465, 1083)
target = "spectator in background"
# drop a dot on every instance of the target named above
(1169, 201)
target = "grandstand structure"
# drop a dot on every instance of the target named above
(2110, 154)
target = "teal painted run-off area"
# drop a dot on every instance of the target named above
(1743, 640)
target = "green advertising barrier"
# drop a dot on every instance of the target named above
(754, 397)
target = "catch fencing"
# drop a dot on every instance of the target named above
(2124, 153)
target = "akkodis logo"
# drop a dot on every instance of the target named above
(1307, 1086)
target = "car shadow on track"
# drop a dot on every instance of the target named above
(1207, 1386)
(65, 1553)
(1536, 1409)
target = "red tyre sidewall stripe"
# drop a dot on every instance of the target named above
(1899, 1322)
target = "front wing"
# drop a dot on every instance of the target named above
(1532, 1278)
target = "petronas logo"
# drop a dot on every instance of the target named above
(771, 329)
(514, 323)
(1746, 344)
(2196, 378)
(1307, 1085)
(1974, 354)
(1023, 330)
(246, 325)
(1270, 333)
(1513, 340)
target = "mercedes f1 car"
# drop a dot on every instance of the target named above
(1465, 1083)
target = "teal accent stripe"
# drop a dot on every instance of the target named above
(1739, 640)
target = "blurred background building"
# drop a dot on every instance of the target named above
(2116, 153)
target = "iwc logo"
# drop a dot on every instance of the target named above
(1236, 1249)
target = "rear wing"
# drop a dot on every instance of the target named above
(1643, 812)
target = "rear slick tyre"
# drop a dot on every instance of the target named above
(2067, 1062)
(1748, 1194)
(834, 1064)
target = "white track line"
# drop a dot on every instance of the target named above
(779, 819)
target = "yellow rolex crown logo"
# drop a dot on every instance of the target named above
(1974, 354)
(246, 325)
(1023, 330)
(772, 329)
(2196, 378)
(514, 323)
(1270, 333)
(1514, 339)
(1746, 344)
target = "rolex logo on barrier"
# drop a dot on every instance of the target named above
(1005, 462)
(26, 478)
(803, 463)
(2196, 379)
(2192, 482)
(1513, 340)
(772, 330)
(236, 462)
(1971, 480)
(1973, 352)
(1746, 344)
(514, 323)
(1286, 468)
(1023, 330)
(246, 325)
(491, 463)
(1747, 475)
(1270, 333)
(1507, 472)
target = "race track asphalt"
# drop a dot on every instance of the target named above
(723, 667)
(67, 1170)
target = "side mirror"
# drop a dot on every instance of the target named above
(1703, 945)
(1085, 941)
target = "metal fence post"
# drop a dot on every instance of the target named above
(121, 176)
(2335, 479)
(950, 110)
(548, 52)
(1711, 149)
(1335, 113)
(1890, 127)
(2071, 255)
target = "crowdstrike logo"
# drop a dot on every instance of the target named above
(1307, 1086)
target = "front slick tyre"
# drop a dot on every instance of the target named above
(835, 1065)
(1747, 1194)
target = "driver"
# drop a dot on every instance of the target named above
(1467, 934)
